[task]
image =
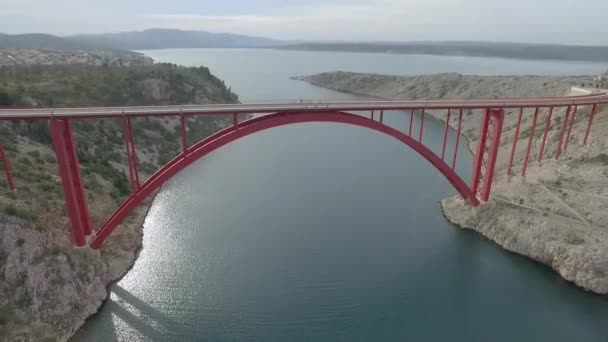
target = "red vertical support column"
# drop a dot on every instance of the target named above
(182, 119)
(570, 127)
(523, 171)
(78, 183)
(235, 121)
(7, 169)
(372, 115)
(69, 170)
(515, 138)
(547, 126)
(125, 132)
(382, 116)
(563, 134)
(421, 126)
(457, 139)
(133, 152)
(445, 135)
(496, 119)
(479, 156)
(411, 120)
(593, 110)
(487, 152)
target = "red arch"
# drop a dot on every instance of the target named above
(228, 135)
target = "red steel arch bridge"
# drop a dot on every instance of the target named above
(474, 188)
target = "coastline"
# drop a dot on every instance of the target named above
(69, 284)
(539, 216)
(127, 263)
(583, 282)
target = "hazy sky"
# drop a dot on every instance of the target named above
(553, 21)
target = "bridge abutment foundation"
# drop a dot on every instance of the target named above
(487, 152)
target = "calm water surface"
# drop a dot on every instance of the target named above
(323, 232)
(263, 75)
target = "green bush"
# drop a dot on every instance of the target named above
(92, 183)
(9, 147)
(39, 131)
(10, 210)
(6, 314)
(5, 98)
(49, 187)
(21, 213)
(121, 184)
(25, 161)
(35, 154)
(55, 251)
(49, 158)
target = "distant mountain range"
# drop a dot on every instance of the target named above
(168, 39)
(136, 40)
(40, 41)
(172, 38)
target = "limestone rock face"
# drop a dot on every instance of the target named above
(48, 288)
(578, 252)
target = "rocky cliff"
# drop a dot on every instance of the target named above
(47, 287)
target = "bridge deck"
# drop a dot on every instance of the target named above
(105, 112)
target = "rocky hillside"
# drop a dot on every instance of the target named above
(557, 215)
(47, 287)
(446, 86)
(450, 85)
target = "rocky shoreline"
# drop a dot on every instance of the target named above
(558, 214)
(130, 255)
(61, 287)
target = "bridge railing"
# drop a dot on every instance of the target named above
(483, 122)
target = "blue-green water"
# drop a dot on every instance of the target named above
(264, 75)
(326, 232)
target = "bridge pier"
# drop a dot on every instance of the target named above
(69, 170)
(570, 127)
(563, 133)
(593, 111)
(183, 125)
(131, 153)
(487, 152)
